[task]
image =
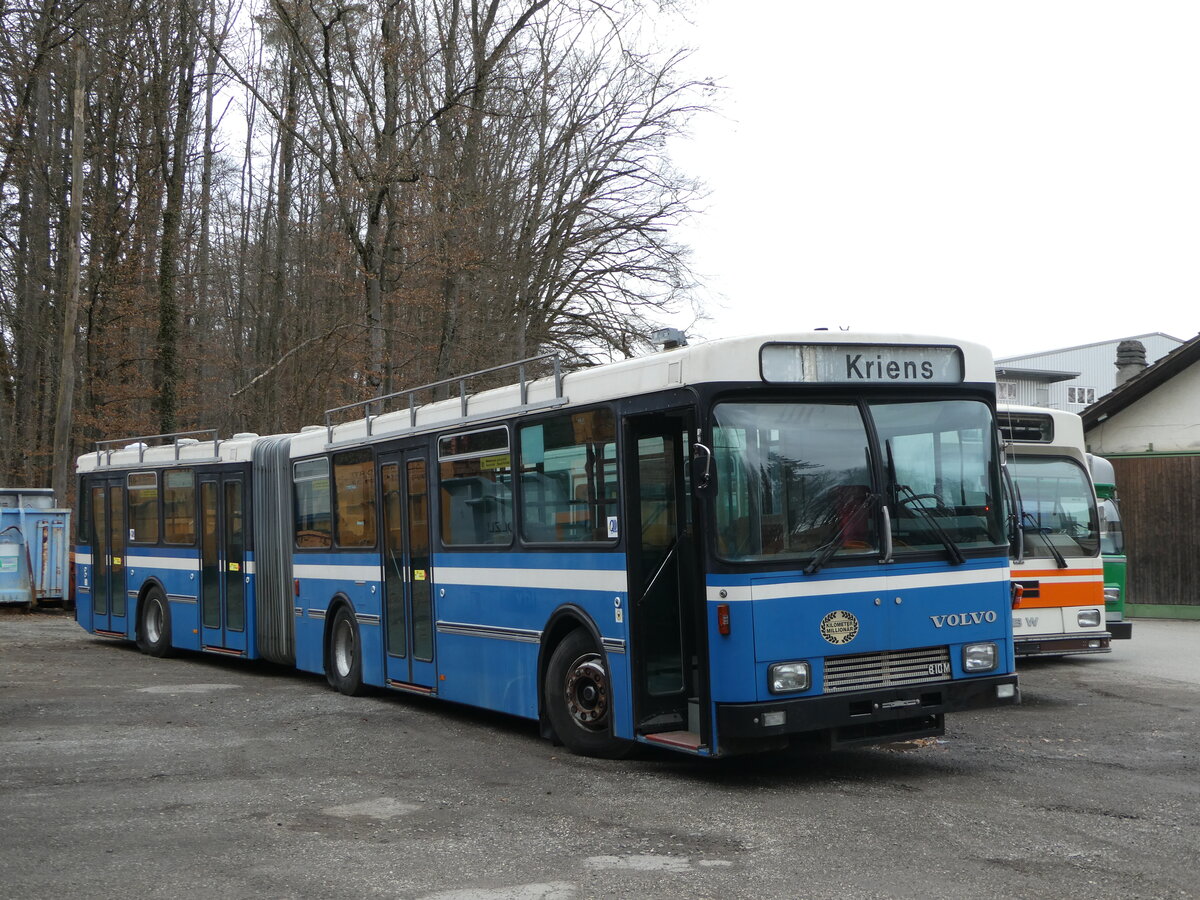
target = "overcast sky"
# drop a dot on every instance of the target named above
(1023, 174)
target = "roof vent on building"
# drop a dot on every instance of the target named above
(1131, 360)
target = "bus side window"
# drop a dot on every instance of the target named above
(179, 507)
(475, 476)
(568, 467)
(143, 507)
(314, 519)
(476, 508)
(354, 480)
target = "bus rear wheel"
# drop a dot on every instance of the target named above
(344, 665)
(578, 698)
(154, 627)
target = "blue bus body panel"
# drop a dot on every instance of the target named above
(177, 571)
(251, 644)
(792, 616)
(491, 611)
(83, 587)
(323, 577)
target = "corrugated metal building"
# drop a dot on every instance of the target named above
(1071, 378)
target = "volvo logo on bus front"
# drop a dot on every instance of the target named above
(971, 618)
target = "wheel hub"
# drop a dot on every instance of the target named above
(587, 693)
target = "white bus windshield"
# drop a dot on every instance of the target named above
(797, 479)
(1057, 506)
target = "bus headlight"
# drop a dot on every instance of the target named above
(1112, 593)
(784, 678)
(1088, 618)
(980, 657)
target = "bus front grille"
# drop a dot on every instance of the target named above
(888, 668)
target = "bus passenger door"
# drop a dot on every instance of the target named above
(662, 575)
(222, 563)
(109, 598)
(407, 572)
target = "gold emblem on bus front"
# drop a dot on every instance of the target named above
(839, 627)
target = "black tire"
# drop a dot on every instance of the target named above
(154, 624)
(344, 658)
(578, 698)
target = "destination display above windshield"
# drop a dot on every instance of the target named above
(861, 364)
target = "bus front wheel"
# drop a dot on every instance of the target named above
(154, 629)
(578, 697)
(344, 666)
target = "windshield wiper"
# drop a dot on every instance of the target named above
(826, 551)
(1041, 532)
(956, 556)
(914, 502)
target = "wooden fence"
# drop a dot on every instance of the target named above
(1160, 506)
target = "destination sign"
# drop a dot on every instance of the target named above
(861, 364)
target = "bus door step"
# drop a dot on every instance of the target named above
(411, 688)
(227, 651)
(677, 740)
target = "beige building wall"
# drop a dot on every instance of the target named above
(1167, 420)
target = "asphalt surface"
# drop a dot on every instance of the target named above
(128, 776)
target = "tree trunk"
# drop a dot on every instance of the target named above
(167, 368)
(67, 367)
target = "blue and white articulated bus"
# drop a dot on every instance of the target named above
(720, 548)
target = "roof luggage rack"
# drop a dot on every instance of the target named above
(463, 394)
(105, 449)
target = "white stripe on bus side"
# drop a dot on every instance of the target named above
(553, 579)
(871, 584)
(333, 572)
(162, 562)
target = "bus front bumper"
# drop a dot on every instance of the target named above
(1121, 630)
(1061, 644)
(863, 717)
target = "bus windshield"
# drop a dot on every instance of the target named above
(939, 458)
(795, 480)
(1057, 506)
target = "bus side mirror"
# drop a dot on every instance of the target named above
(704, 473)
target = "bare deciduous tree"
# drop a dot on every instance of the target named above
(312, 201)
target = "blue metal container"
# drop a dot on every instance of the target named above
(34, 548)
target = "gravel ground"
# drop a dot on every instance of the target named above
(128, 776)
